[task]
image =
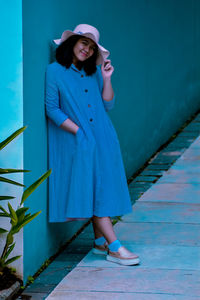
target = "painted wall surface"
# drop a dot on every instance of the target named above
(154, 48)
(11, 114)
(41, 239)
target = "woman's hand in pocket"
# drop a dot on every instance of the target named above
(77, 130)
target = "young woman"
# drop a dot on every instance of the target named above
(88, 178)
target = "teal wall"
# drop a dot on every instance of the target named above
(11, 112)
(154, 49)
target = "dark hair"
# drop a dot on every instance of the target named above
(64, 55)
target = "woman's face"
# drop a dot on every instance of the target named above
(83, 49)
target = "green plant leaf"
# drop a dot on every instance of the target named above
(13, 270)
(30, 279)
(4, 215)
(9, 261)
(11, 137)
(33, 186)
(21, 210)
(30, 218)
(21, 213)
(10, 181)
(10, 249)
(9, 239)
(2, 230)
(6, 197)
(8, 171)
(16, 228)
(3, 209)
(26, 220)
(27, 215)
(13, 215)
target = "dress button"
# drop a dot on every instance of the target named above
(91, 120)
(82, 76)
(89, 105)
(86, 90)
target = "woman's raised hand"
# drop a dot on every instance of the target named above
(107, 69)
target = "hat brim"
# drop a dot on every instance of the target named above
(102, 53)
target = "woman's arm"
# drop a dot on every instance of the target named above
(70, 126)
(108, 92)
(107, 70)
(52, 106)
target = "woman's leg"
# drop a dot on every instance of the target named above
(103, 227)
(116, 253)
(97, 232)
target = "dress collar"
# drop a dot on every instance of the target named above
(76, 69)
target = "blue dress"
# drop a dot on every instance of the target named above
(88, 176)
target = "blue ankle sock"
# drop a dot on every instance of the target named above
(100, 241)
(114, 246)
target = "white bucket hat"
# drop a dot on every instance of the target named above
(87, 31)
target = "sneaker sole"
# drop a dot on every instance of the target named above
(125, 262)
(99, 252)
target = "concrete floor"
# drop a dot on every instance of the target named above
(164, 230)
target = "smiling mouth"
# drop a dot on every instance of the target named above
(83, 53)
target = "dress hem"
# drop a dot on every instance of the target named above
(68, 219)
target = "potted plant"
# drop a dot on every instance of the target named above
(18, 219)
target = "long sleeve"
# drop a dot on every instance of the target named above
(52, 105)
(107, 104)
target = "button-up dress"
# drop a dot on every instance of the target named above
(88, 176)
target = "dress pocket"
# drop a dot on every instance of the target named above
(79, 134)
(81, 140)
